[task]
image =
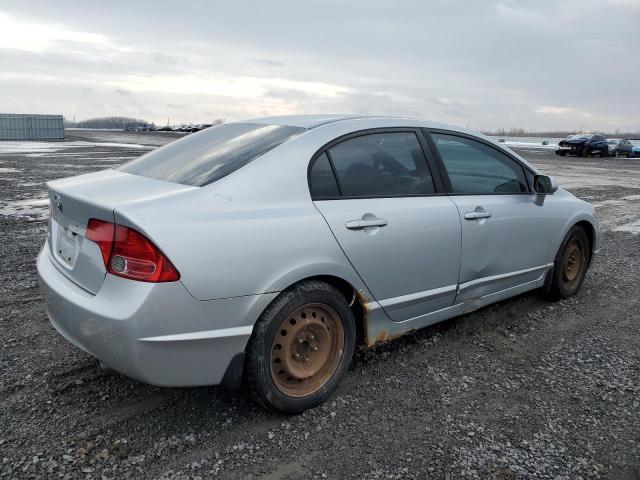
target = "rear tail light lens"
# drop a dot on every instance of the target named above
(129, 254)
(101, 233)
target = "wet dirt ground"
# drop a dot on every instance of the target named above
(522, 389)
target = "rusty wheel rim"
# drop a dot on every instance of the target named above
(307, 350)
(573, 263)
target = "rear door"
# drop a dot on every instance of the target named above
(506, 229)
(376, 191)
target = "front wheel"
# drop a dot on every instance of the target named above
(570, 265)
(301, 348)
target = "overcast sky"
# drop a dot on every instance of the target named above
(535, 64)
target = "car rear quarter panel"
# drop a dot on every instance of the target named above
(254, 231)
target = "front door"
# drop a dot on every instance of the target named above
(402, 238)
(506, 233)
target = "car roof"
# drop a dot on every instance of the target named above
(309, 122)
(303, 121)
(336, 125)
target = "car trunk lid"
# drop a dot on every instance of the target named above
(75, 200)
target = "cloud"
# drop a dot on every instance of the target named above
(553, 110)
(42, 37)
(486, 64)
(269, 62)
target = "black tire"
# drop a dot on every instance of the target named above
(564, 281)
(584, 152)
(562, 154)
(262, 381)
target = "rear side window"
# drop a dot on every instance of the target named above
(321, 179)
(381, 164)
(475, 168)
(206, 156)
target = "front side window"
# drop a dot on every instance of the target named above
(381, 164)
(204, 157)
(476, 168)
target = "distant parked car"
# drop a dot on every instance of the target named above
(583, 145)
(619, 147)
(635, 151)
(268, 249)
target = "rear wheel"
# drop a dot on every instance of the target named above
(570, 265)
(584, 152)
(301, 348)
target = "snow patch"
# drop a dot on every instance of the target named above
(633, 227)
(549, 146)
(36, 208)
(51, 147)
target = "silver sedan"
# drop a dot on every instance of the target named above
(263, 252)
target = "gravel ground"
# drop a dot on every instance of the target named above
(521, 389)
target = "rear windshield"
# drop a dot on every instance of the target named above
(207, 156)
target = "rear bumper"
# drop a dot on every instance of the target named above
(156, 333)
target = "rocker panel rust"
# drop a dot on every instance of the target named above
(382, 336)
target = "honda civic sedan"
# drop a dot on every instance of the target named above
(264, 252)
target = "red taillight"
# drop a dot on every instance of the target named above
(129, 254)
(101, 233)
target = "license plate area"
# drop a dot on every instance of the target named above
(66, 243)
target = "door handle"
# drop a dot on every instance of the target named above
(360, 224)
(476, 215)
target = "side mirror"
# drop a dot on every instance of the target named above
(544, 184)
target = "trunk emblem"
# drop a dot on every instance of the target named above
(58, 202)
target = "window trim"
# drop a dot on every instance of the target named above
(432, 167)
(445, 174)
